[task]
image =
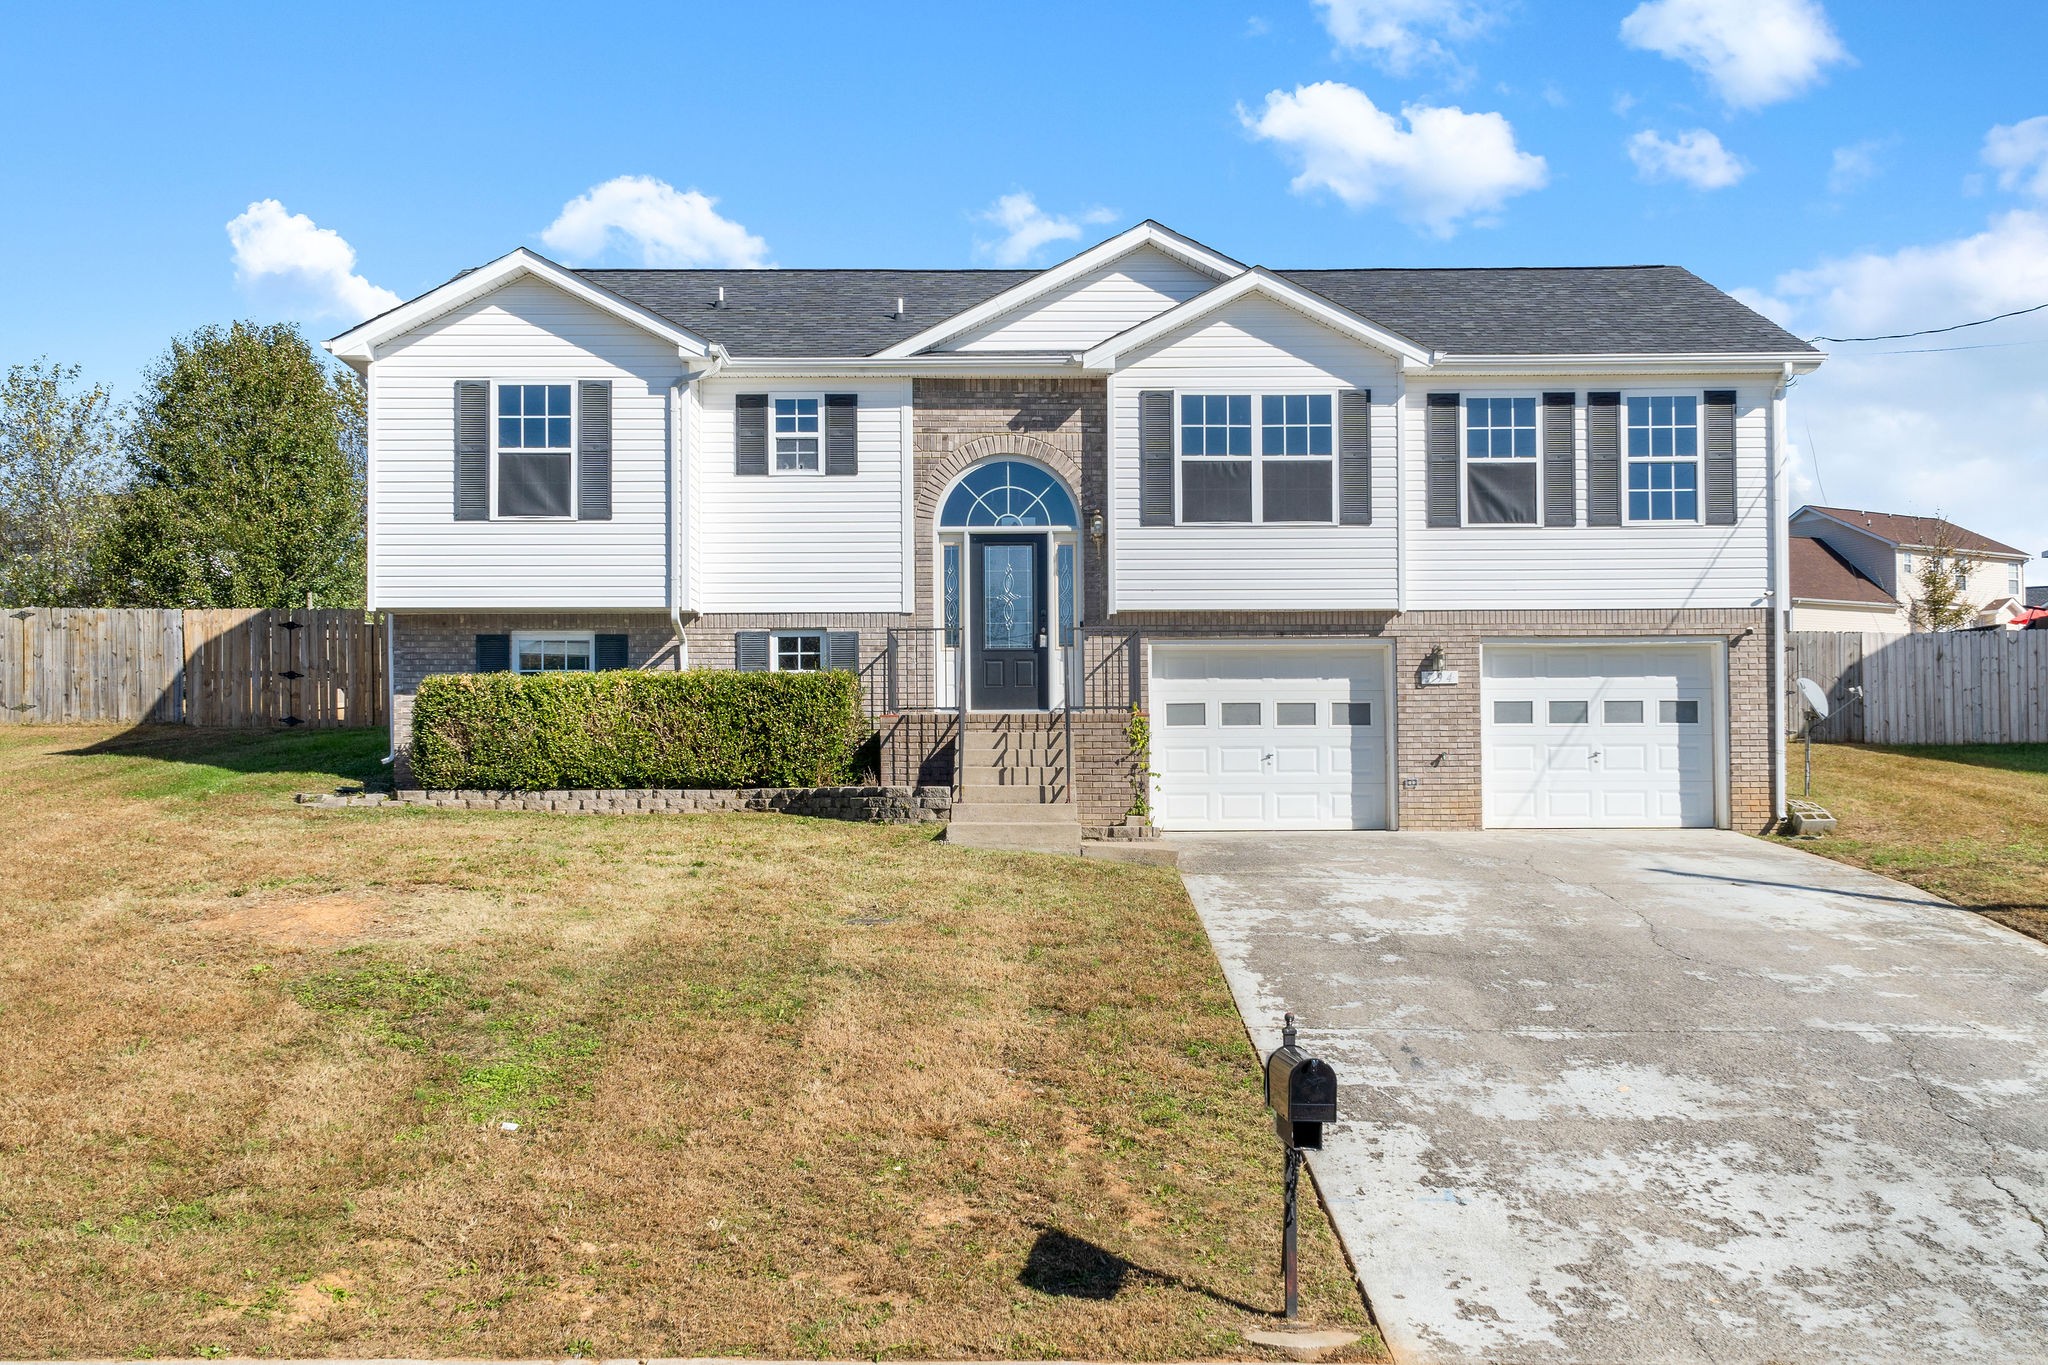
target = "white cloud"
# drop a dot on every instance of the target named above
(2019, 153)
(310, 264)
(1445, 166)
(1401, 34)
(655, 223)
(1909, 426)
(1027, 228)
(1697, 158)
(1855, 165)
(1753, 52)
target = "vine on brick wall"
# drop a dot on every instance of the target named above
(1138, 739)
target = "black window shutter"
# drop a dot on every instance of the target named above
(842, 433)
(610, 653)
(842, 650)
(594, 451)
(1720, 446)
(493, 653)
(750, 651)
(1155, 458)
(750, 434)
(1603, 459)
(1441, 444)
(1354, 457)
(472, 450)
(1560, 460)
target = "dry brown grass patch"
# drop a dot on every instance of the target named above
(781, 1087)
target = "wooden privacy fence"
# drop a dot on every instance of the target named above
(1942, 687)
(250, 670)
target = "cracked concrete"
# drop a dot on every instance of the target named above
(1646, 1097)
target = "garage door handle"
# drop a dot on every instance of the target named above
(1269, 758)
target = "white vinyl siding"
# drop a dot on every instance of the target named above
(813, 544)
(1658, 565)
(533, 333)
(1254, 346)
(1110, 299)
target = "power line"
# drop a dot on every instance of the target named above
(1932, 350)
(1814, 450)
(1934, 331)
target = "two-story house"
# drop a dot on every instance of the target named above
(1425, 548)
(1860, 571)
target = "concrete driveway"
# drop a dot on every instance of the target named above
(1656, 1097)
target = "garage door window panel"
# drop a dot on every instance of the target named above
(1514, 713)
(1241, 713)
(1502, 478)
(1622, 712)
(1683, 712)
(1187, 713)
(1569, 712)
(1294, 713)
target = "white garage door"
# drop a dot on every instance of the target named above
(1272, 736)
(1599, 736)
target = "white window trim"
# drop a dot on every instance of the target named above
(1699, 458)
(775, 639)
(1256, 458)
(775, 470)
(587, 637)
(1464, 446)
(575, 431)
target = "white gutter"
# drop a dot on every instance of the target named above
(1797, 362)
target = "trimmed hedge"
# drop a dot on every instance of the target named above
(704, 728)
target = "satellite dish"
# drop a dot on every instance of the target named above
(1816, 700)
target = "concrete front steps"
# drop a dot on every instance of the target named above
(1015, 787)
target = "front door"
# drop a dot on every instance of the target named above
(1009, 636)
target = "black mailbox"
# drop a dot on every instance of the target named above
(1302, 1091)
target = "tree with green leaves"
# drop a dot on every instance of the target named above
(59, 466)
(1942, 575)
(246, 467)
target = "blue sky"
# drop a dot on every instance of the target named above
(1850, 168)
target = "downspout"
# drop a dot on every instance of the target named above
(1780, 590)
(677, 503)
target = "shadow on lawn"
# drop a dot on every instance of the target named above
(1069, 1267)
(213, 757)
(2012, 758)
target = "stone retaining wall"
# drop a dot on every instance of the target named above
(870, 805)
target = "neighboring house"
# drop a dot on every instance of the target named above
(1890, 550)
(1830, 593)
(1429, 548)
(2037, 597)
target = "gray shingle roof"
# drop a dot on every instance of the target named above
(1649, 310)
(1598, 310)
(806, 312)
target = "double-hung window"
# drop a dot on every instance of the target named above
(799, 652)
(1216, 457)
(1500, 462)
(536, 426)
(798, 435)
(1662, 438)
(552, 653)
(1290, 478)
(1297, 447)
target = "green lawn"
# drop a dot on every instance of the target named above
(1966, 822)
(780, 1087)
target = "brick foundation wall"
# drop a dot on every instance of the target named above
(711, 641)
(424, 643)
(917, 749)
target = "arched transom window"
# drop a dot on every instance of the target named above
(1008, 493)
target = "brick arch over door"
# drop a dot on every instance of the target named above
(935, 475)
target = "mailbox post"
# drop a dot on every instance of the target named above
(1302, 1092)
